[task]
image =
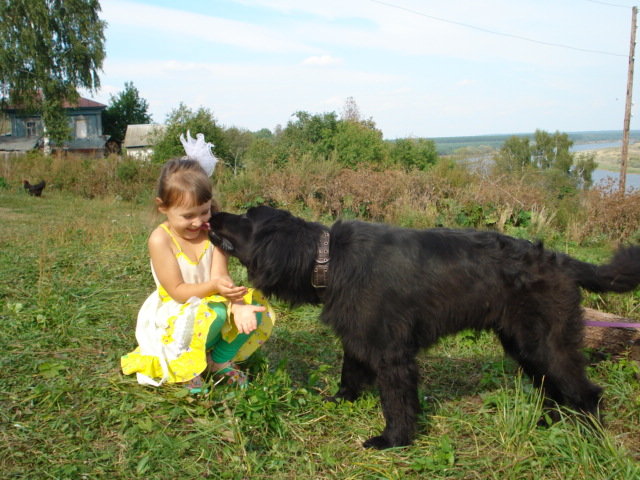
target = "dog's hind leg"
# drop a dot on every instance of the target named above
(356, 375)
(568, 382)
(559, 370)
(397, 380)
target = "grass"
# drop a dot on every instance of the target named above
(73, 274)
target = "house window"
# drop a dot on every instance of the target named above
(32, 129)
(81, 127)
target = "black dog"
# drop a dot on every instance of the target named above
(391, 291)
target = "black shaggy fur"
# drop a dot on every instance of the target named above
(392, 291)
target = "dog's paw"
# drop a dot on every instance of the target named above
(548, 418)
(380, 443)
(342, 396)
(336, 399)
(331, 399)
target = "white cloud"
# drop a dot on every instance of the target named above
(198, 26)
(255, 62)
(458, 28)
(322, 60)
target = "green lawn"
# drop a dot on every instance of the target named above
(73, 273)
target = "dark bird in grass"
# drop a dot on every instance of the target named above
(34, 190)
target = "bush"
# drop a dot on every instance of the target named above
(183, 119)
(85, 176)
(447, 194)
(127, 171)
(607, 214)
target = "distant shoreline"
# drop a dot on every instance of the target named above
(450, 145)
(609, 158)
(605, 146)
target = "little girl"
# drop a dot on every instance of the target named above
(197, 320)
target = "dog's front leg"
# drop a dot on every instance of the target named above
(355, 376)
(398, 384)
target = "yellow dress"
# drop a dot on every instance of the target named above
(172, 336)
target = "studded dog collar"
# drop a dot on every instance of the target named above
(321, 268)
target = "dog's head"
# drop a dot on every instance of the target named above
(236, 234)
(231, 233)
(277, 249)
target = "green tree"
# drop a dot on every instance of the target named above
(264, 133)
(550, 155)
(359, 142)
(309, 133)
(514, 155)
(552, 151)
(49, 49)
(584, 165)
(349, 140)
(239, 140)
(414, 153)
(261, 154)
(350, 110)
(183, 119)
(126, 108)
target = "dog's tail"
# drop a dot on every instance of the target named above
(621, 274)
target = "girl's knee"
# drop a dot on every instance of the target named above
(214, 334)
(220, 309)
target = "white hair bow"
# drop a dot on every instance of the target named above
(199, 150)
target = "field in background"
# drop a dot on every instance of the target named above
(609, 158)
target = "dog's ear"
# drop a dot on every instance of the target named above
(220, 242)
(227, 246)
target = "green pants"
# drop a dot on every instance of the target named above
(221, 350)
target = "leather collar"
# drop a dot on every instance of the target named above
(319, 276)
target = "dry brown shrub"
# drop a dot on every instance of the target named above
(447, 194)
(324, 187)
(505, 191)
(304, 183)
(439, 196)
(83, 175)
(608, 213)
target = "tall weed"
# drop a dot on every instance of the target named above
(85, 176)
(448, 194)
(609, 214)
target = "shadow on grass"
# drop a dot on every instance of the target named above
(311, 355)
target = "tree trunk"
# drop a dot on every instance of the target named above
(611, 340)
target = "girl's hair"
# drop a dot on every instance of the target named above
(184, 182)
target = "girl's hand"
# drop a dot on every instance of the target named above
(244, 316)
(228, 289)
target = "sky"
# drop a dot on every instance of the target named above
(417, 68)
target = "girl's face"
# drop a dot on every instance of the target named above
(187, 222)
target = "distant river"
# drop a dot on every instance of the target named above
(584, 147)
(633, 179)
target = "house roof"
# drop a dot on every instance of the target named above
(81, 103)
(142, 135)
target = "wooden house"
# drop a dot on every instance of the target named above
(85, 122)
(140, 139)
